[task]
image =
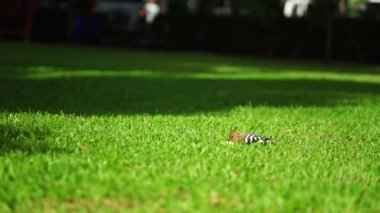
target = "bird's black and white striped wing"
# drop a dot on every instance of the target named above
(252, 138)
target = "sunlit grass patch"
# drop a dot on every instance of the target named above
(218, 72)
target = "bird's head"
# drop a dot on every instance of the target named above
(234, 135)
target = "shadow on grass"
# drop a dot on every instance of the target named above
(25, 140)
(20, 55)
(135, 95)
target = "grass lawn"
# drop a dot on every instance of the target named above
(90, 129)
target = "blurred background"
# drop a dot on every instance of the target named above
(339, 30)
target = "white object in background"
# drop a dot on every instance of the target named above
(152, 10)
(296, 8)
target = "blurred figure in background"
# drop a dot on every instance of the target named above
(150, 11)
(85, 24)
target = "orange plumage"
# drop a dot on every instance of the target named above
(234, 135)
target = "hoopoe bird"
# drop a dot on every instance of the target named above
(247, 138)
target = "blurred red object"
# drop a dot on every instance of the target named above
(94, 10)
(142, 13)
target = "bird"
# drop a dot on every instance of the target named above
(247, 138)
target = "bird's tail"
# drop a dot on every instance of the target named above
(265, 140)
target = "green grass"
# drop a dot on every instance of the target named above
(87, 129)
